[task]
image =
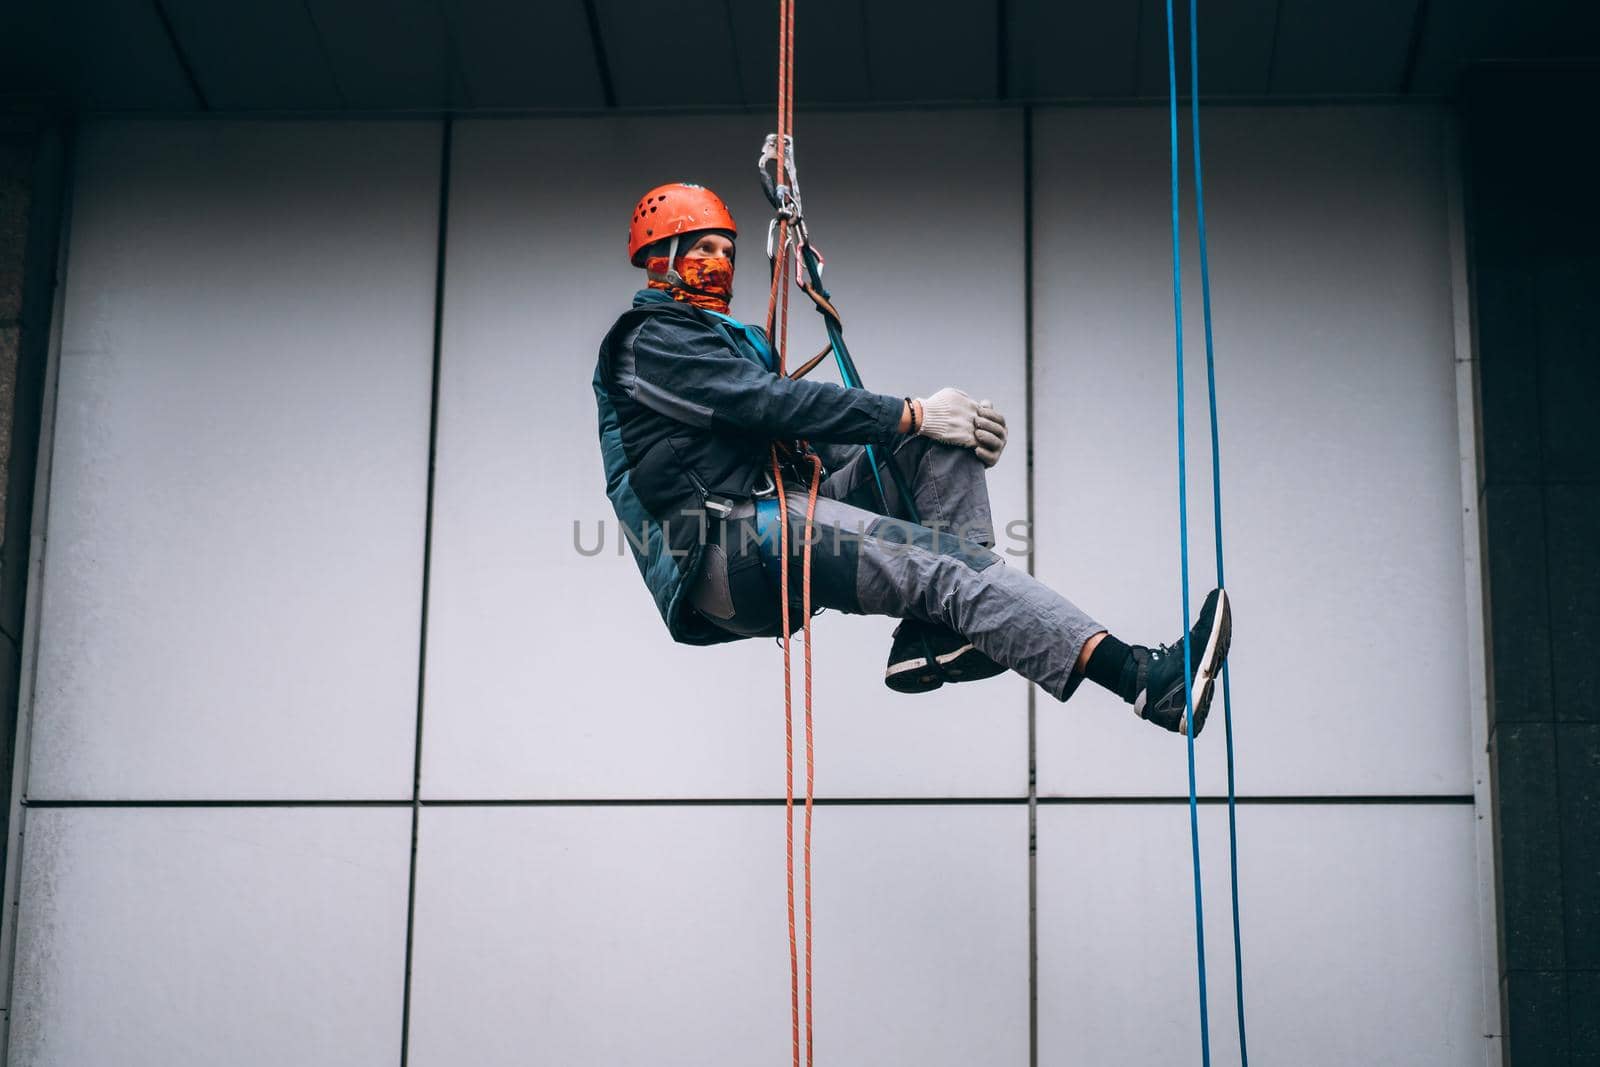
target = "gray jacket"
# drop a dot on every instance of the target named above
(688, 404)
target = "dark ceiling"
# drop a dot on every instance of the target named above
(331, 55)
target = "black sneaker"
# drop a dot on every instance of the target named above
(1160, 678)
(955, 659)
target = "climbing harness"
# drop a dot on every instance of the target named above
(1183, 521)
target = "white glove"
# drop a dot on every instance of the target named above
(950, 416)
(989, 427)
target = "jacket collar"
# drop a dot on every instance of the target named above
(651, 296)
(661, 296)
(754, 337)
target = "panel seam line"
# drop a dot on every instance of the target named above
(443, 222)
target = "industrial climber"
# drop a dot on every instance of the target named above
(690, 401)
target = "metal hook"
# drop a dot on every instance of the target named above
(785, 198)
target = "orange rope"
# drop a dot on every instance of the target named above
(788, 737)
(785, 28)
(788, 751)
(811, 763)
(788, 62)
(778, 329)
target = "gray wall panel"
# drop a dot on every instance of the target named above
(1339, 443)
(655, 936)
(550, 673)
(181, 938)
(232, 585)
(1360, 935)
(231, 604)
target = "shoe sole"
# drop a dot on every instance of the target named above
(965, 664)
(1215, 654)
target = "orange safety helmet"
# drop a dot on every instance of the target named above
(668, 210)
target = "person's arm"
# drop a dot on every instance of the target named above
(687, 371)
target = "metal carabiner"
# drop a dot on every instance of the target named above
(772, 240)
(790, 172)
(769, 182)
(785, 198)
(761, 491)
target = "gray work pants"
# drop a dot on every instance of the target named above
(865, 562)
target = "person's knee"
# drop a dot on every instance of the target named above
(952, 462)
(951, 587)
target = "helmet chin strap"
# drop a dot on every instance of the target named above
(672, 276)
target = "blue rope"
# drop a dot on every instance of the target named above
(1183, 541)
(1216, 510)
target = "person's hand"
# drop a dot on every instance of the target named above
(950, 417)
(989, 427)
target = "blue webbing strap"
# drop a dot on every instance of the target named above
(1216, 510)
(767, 543)
(852, 380)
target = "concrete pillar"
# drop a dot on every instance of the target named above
(31, 167)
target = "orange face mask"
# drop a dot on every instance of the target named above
(707, 282)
